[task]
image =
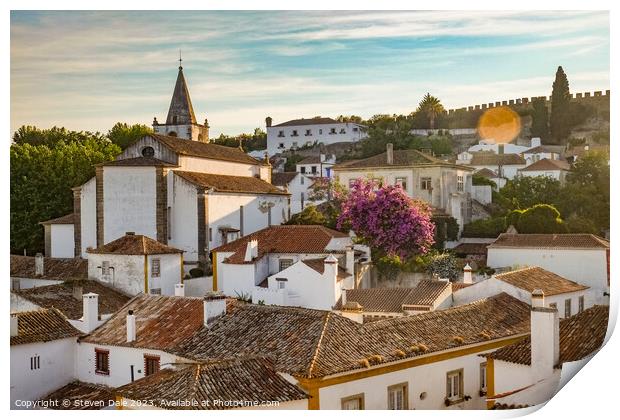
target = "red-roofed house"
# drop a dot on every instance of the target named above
(556, 169)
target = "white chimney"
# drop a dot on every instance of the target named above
(545, 337)
(344, 297)
(322, 157)
(78, 292)
(14, 325)
(39, 268)
(350, 259)
(251, 250)
(214, 306)
(255, 248)
(535, 142)
(90, 308)
(331, 268)
(467, 274)
(390, 153)
(131, 326)
(179, 289)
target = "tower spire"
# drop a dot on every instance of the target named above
(181, 110)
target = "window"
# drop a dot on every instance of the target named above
(148, 151)
(397, 397)
(285, 263)
(454, 385)
(459, 183)
(281, 146)
(313, 169)
(553, 305)
(355, 129)
(155, 291)
(210, 234)
(483, 377)
(354, 402)
(302, 169)
(426, 184)
(343, 131)
(308, 132)
(402, 181)
(567, 304)
(102, 361)
(294, 144)
(35, 362)
(105, 268)
(332, 131)
(155, 267)
(320, 131)
(281, 283)
(151, 364)
(581, 303)
(281, 134)
(301, 180)
(294, 133)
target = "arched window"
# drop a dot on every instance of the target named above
(148, 152)
(172, 134)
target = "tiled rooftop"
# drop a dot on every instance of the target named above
(550, 240)
(81, 396)
(204, 150)
(294, 239)
(54, 268)
(547, 165)
(247, 379)
(137, 161)
(532, 278)
(132, 244)
(580, 336)
(67, 219)
(41, 326)
(492, 159)
(400, 158)
(308, 121)
(281, 179)
(229, 183)
(318, 265)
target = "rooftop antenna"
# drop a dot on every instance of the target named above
(180, 60)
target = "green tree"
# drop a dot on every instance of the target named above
(560, 107)
(308, 216)
(524, 192)
(540, 119)
(541, 218)
(431, 107)
(123, 134)
(45, 165)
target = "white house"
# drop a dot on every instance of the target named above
(138, 339)
(266, 263)
(59, 237)
(490, 145)
(137, 264)
(580, 257)
(532, 370)
(37, 271)
(542, 152)
(180, 190)
(441, 184)
(425, 361)
(302, 132)
(505, 165)
(215, 385)
(565, 295)
(42, 355)
(556, 169)
(492, 175)
(317, 166)
(298, 185)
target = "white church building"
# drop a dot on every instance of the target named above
(177, 188)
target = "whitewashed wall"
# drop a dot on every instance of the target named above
(129, 201)
(182, 200)
(220, 167)
(63, 241)
(88, 216)
(320, 134)
(170, 273)
(512, 376)
(508, 171)
(57, 368)
(584, 266)
(26, 283)
(482, 193)
(19, 304)
(127, 274)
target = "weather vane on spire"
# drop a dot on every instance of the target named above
(180, 60)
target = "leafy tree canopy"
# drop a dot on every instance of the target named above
(123, 134)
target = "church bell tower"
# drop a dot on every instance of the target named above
(181, 120)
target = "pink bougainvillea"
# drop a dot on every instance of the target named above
(387, 219)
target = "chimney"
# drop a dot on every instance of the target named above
(214, 307)
(343, 296)
(390, 153)
(322, 157)
(130, 233)
(331, 268)
(545, 337)
(535, 142)
(179, 289)
(254, 248)
(90, 309)
(131, 326)
(251, 250)
(39, 268)
(353, 311)
(14, 325)
(467, 274)
(350, 259)
(78, 291)
(268, 121)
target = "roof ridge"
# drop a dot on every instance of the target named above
(318, 344)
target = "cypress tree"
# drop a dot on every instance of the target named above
(560, 107)
(540, 119)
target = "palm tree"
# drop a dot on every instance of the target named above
(432, 107)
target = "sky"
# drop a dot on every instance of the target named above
(89, 70)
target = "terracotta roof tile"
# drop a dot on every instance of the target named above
(426, 292)
(204, 150)
(491, 158)
(78, 393)
(229, 183)
(137, 161)
(67, 219)
(53, 268)
(41, 326)
(401, 158)
(318, 265)
(308, 121)
(580, 336)
(227, 380)
(132, 244)
(61, 297)
(532, 278)
(295, 239)
(313, 343)
(486, 172)
(161, 322)
(282, 179)
(471, 249)
(458, 286)
(550, 240)
(547, 165)
(545, 148)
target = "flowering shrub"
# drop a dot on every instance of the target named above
(386, 219)
(444, 266)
